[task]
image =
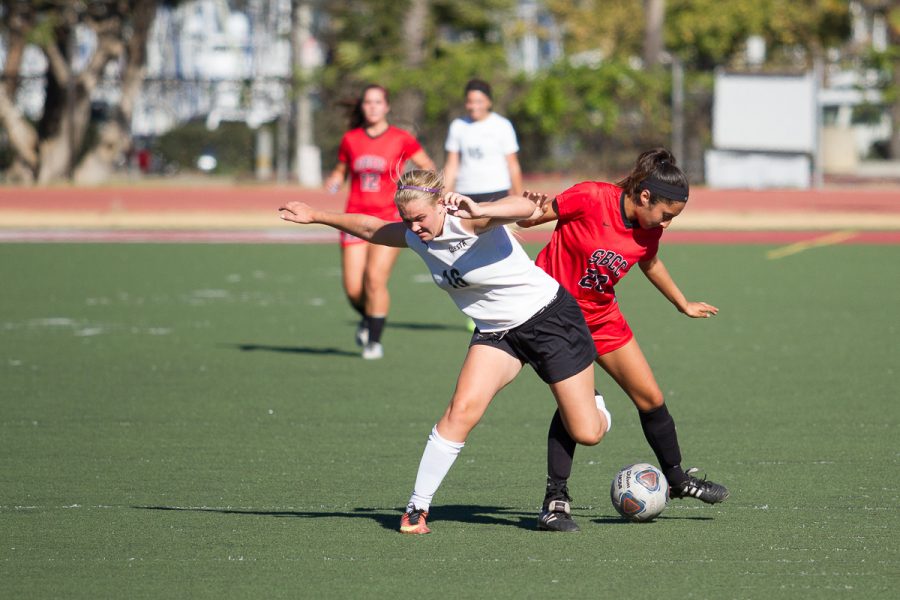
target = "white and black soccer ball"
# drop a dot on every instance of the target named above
(639, 492)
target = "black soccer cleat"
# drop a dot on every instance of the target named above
(701, 489)
(556, 514)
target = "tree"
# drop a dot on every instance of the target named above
(53, 148)
(710, 33)
(422, 50)
(595, 26)
(893, 92)
(654, 15)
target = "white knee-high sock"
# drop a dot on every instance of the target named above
(438, 457)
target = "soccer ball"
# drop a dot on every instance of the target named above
(639, 492)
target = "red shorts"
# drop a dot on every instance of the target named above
(387, 213)
(609, 329)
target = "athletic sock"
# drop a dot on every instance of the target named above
(376, 326)
(561, 446)
(560, 451)
(438, 457)
(659, 429)
(359, 307)
(601, 406)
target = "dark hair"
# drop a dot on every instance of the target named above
(479, 85)
(355, 114)
(656, 172)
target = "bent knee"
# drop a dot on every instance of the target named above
(588, 438)
(464, 410)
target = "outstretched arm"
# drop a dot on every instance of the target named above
(659, 276)
(366, 227)
(486, 215)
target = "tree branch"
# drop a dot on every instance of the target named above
(22, 136)
(58, 63)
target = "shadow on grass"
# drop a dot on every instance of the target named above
(331, 351)
(621, 521)
(291, 349)
(387, 518)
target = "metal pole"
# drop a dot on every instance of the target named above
(678, 109)
(817, 157)
(309, 160)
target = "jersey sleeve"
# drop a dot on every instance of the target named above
(410, 146)
(653, 246)
(509, 142)
(453, 142)
(572, 203)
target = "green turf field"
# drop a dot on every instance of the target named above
(194, 421)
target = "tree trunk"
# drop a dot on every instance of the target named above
(17, 21)
(114, 139)
(67, 110)
(409, 106)
(14, 52)
(22, 136)
(654, 17)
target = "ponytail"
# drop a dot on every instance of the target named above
(655, 171)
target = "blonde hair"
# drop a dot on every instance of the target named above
(419, 184)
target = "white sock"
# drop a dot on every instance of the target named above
(601, 406)
(438, 457)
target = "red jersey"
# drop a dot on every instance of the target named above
(594, 245)
(374, 163)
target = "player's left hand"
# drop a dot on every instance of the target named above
(700, 310)
(461, 206)
(541, 204)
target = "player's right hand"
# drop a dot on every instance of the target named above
(297, 212)
(461, 206)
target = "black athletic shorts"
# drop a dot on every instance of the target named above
(488, 196)
(555, 341)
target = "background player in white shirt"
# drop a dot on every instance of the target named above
(523, 315)
(482, 150)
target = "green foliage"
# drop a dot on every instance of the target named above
(595, 110)
(708, 33)
(231, 143)
(885, 64)
(462, 41)
(614, 28)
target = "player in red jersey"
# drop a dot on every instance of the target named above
(602, 231)
(374, 153)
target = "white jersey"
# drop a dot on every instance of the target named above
(489, 276)
(483, 147)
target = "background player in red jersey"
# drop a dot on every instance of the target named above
(602, 231)
(374, 152)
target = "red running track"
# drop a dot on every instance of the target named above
(263, 198)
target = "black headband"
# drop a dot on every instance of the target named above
(666, 190)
